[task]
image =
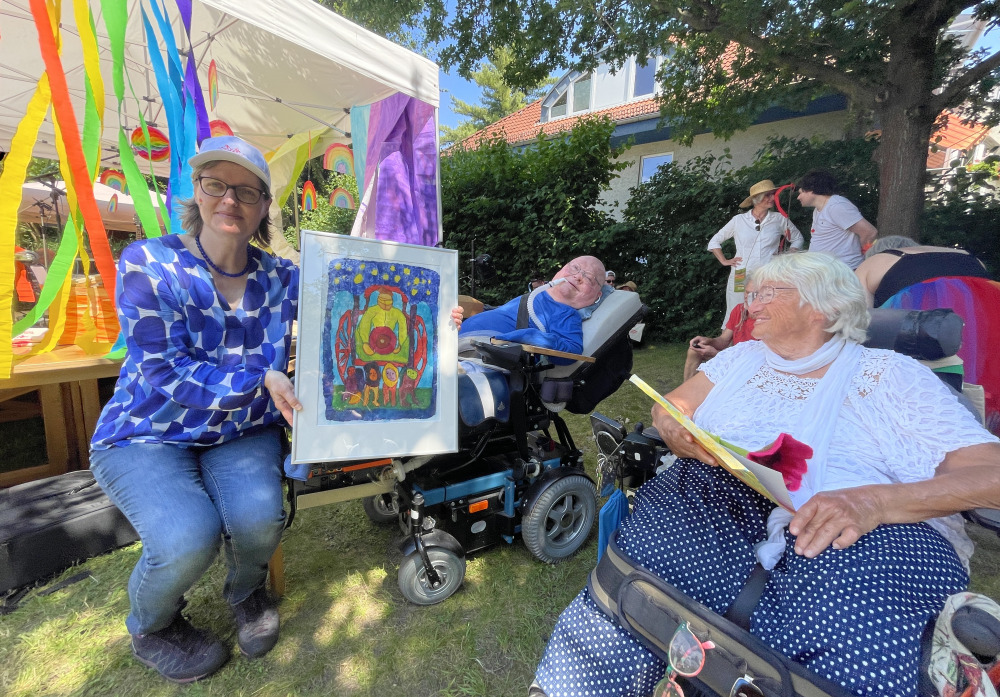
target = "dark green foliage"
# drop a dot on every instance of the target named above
(662, 242)
(964, 210)
(531, 210)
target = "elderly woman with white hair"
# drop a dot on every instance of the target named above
(874, 547)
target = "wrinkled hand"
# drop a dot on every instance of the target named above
(282, 393)
(677, 438)
(457, 315)
(837, 517)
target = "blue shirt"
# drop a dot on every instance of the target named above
(194, 368)
(563, 324)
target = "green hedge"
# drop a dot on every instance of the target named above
(531, 209)
(534, 209)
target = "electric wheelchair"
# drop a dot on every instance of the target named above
(743, 665)
(518, 472)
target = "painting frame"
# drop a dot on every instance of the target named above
(377, 352)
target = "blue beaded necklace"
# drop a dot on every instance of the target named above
(246, 269)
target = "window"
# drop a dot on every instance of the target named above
(581, 94)
(645, 79)
(651, 163)
(559, 108)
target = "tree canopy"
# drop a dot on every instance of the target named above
(728, 61)
(498, 98)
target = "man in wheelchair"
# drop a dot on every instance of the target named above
(512, 476)
(846, 584)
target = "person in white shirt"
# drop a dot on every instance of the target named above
(757, 234)
(838, 227)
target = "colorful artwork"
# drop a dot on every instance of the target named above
(159, 144)
(113, 203)
(213, 85)
(220, 128)
(341, 198)
(114, 179)
(377, 355)
(377, 348)
(309, 196)
(339, 158)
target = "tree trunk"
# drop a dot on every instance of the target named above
(906, 119)
(902, 163)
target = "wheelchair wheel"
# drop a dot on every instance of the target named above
(381, 508)
(413, 581)
(560, 520)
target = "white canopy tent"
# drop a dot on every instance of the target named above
(38, 205)
(288, 70)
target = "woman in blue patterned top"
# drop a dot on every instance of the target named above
(190, 445)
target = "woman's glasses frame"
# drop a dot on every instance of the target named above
(217, 188)
(764, 294)
(685, 657)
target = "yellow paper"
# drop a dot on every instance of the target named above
(725, 458)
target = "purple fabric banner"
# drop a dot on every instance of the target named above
(402, 152)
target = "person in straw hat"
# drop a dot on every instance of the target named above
(757, 233)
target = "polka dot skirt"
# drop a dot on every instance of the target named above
(854, 615)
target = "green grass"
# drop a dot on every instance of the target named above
(346, 629)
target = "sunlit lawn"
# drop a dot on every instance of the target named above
(346, 629)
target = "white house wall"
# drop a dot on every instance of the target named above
(743, 147)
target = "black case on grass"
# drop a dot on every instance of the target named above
(49, 524)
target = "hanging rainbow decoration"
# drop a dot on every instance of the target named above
(339, 158)
(220, 128)
(341, 198)
(158, 142)
(113, 203)
(114, 179)
(308, 196)
(213, 85)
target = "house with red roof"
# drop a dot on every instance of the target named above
(629, 98)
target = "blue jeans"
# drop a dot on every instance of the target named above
(183, 502)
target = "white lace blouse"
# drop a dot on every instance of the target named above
(896, 425)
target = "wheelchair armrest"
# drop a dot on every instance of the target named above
(989, 518)
(541, 350)
(505, 355)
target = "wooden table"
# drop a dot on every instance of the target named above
(66, 381)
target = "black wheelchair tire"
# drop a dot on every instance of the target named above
(413, 583)
(381, 508)
(561, 519)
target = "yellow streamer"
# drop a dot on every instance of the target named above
(91, 60)
(11, 182)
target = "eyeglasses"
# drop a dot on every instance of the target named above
(216, 188)
(575, 269)
(610, 281)
(764, 295)
(685, 657)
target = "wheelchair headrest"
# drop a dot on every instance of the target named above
(927, 335)
(617, 313)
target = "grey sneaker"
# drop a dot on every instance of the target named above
(179, 652)
(256, 624)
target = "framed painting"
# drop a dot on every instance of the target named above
(377, 353)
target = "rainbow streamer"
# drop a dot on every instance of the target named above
(213, 86)
(114, 179)
(339, 158)
(113, 203)
(158, 144)
(308, 196)
(220, 128)
(341, 198)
